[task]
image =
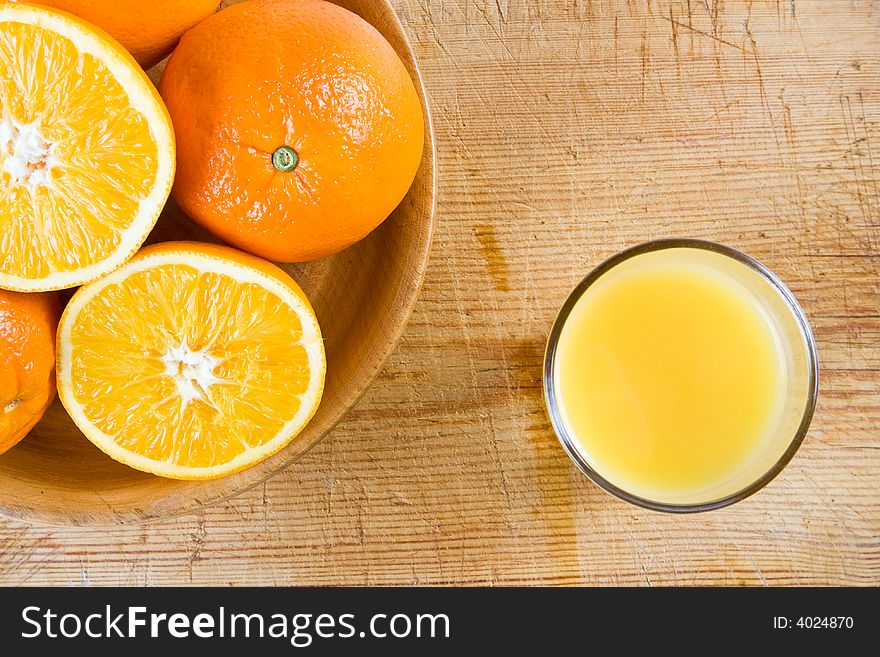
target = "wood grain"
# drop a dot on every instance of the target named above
(568, 130)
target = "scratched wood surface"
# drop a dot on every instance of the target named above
(569, 130)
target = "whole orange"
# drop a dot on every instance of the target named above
(298, 127)
(27, 361)
(149, 29)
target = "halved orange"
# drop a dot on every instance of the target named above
(191, 361)
(86, 151)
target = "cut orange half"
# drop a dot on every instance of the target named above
(86, 151)
(191, 361)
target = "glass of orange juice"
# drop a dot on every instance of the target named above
(681, 375)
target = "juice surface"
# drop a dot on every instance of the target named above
(670, 375)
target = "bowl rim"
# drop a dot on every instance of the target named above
(408, 289)
(553, 407)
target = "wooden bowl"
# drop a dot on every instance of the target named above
(363, 298)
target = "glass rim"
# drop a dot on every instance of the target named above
(553, 406)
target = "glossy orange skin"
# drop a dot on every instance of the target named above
(149, 29)
(309, 75)
(27, 361)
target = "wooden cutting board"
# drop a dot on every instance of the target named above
(568, 130)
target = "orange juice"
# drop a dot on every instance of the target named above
(670, 376)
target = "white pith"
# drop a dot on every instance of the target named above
(26, 155)
(192, 371)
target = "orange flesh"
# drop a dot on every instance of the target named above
(129, 390)
(76, 158)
